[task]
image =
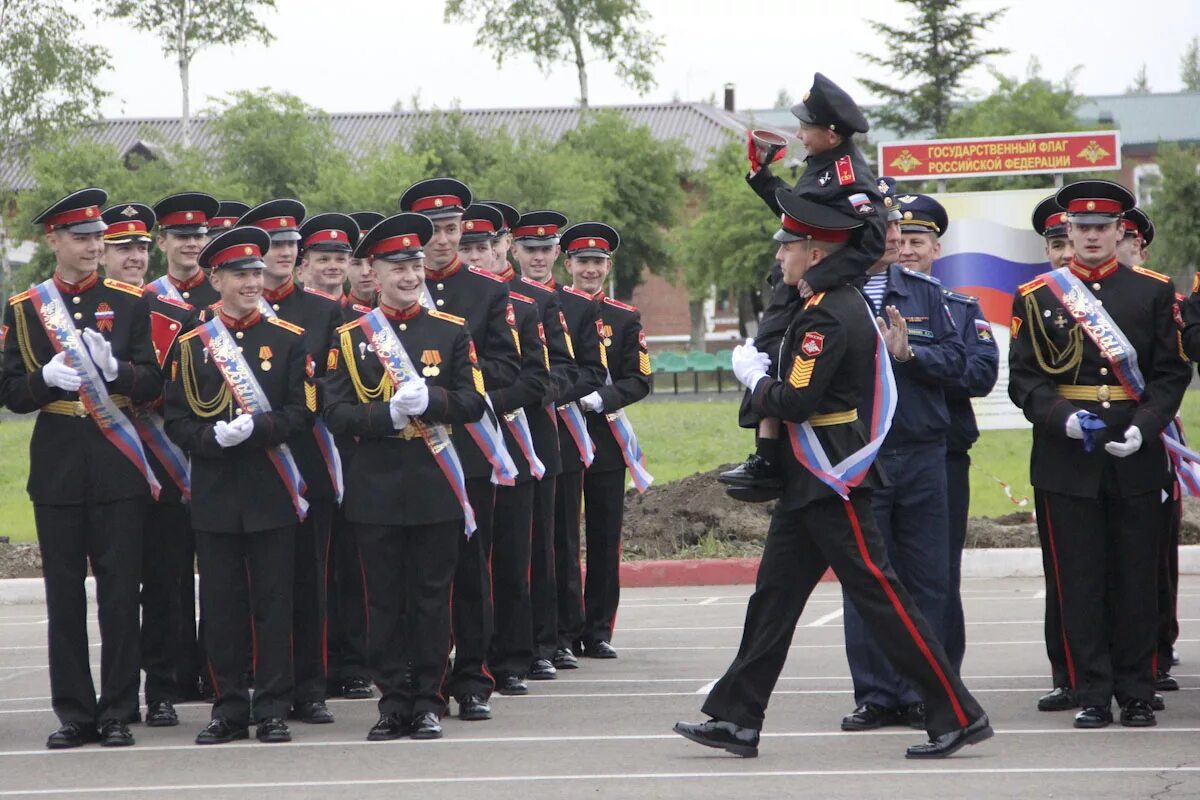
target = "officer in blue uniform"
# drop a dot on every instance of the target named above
(912, 511)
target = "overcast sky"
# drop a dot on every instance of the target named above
(363, 55)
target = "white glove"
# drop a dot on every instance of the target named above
(399, 418)
(412, 398)
(592, 402)
(101, 352)
(1132, 443)
(60, 375)
(1074, 429)
(750, 364)
(231, 434)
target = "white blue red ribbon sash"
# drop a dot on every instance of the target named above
(850, 471)
(631, 449)
(518, 424)
(149, 425)
(399, 368)
(164, 288)
(249, 395)
(573, 418)
(112, 422)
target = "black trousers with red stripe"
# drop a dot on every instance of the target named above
(1168, 582)
(603, 514)
(1104, 552)
(511, 651)
(1056, 644)
(800, 545)
(543, 583)
(568, 573)
(472, 614)
(309, 602)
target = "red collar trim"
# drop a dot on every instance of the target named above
(275, 295)
(1094, 273)
(350, 298)
(400, 314)
(76, 288)
(190, 283)
(247, 321)
(507, 275)
(446, 271)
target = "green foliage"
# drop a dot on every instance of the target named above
(937, 47)
(1176, 248)
(1189, 66)
(185, 27)
(1141, 83)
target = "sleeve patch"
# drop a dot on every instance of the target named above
(983, 330)
(1178, 315)
(310, 396)
(310, 368)
(813, 344)
(801, 373)
(1014, 327)
(331, 361)
(510, 316)
(644, 363)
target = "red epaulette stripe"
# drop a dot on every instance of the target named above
(486, 274)
(521, 297)
(619, 304)
(319, 293)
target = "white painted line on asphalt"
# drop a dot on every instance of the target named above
(706, 688)
(709, 601)
(830, 617)
(840, 645)
(1040, 594)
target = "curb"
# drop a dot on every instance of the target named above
(999, 562)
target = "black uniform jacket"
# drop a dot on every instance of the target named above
(393, 479)
(564, 372)
(1048, 349)
(624, 346)
(197, 291)
(70, 461)
(828, 367)
(582, 313)
(480, 298)
(528, 391)
(353, 308)
(237, 489)
(169, 320)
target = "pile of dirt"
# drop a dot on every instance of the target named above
(20, 561)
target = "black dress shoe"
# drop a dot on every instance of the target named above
(599, 650)
(565, 659)
(72, 734)
(542, 670)
(867, 717)
(273, 731)
(427, 725)
(1165, 682)
(721, 735)
(315, 713)
(115, 733)
(755, 472)
(220, 731)
(161, 714)
(1094, 717)
(357, 688)
(950, 743)
(471, 708)
(511, 685)
(1138, 714)
(1158, 703)
(1061, 699)
(390, 726)
(912, 715)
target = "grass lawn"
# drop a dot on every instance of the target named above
(679, 437)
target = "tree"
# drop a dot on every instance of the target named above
(184, 27)
(939, 43)
(565, 32)
(1141, 84)
(783, 101)
(1189, 66)
(1176, 248)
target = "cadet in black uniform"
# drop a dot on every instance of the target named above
(408, 520)
(182, 232)
(88, 492)
(482, 300)
(228, 213)
(318, 315)
(1097, 457)
(243, 513)
(830, 354)
(589, 247)
(535, 235)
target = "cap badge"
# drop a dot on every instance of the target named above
(129, 211)
(470, 225)
(188, 216)
(405, 241)
(89, 213)
(248, 251)
(131, 227)
(804, 99)
(227, 223)
(333, 234)
(908, 198)
(541, 231)
(591, 242)
(1091, 205)
(437, 203)
(283, 222)
(908, 215)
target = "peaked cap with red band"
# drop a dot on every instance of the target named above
(330, 232)
(78, 212)
(1049, 219)
(236, 248)
(228, 213)
(590, 239)
(539, 227)
(366, 220)
(280, 218)
(481, 222)
(128, 222)
(1094, 202)
(509, 213)
(186, 212)
(805, 220)
(436, 198)
(397, 238)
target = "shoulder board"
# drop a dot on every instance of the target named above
(486, 274)
(921, 275)
(171, 301)
(521, 297)
(577, 293)
(618, 304)
(1026, 288)
(319, 293)
(349, 326)
(814, 300)
(1149, 273)
(534, 284)
(17, 298)
(122, 286)
(287, 326)
(962, 298)
(192, 334)
(448, 317)
(361, 308)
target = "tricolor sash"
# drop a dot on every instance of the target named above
(113, 424)
(573, 418)
(325, 442)
(399, 368)
(518, 424)
(164, 288)
(249, 395)
(1117, 350)
(631, 450)
(149, 425)
(850, 471)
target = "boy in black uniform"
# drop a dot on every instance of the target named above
(482, 300)
(832, 364)
(408, 519)
(589, 247)
(88, 484)
(245, 484)
(182, 232)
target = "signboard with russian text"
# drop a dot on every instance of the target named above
(1001, 155)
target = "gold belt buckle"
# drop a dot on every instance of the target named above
(1103, 393)
(79, 409)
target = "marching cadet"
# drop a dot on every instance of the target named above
(535, 235)
(590, 247)
(911, 511)
(362, 289)
(836, 359)
(503, 240)
(482, 300)
(521, 406)
(77, 349)
(836, 173)
(1050, 222)
(318, 315)
(228, 213)
(235, 398)
(325, 263)
(404, 492)
(169, 650)
(1098, 458)
(182, 231)
(919, 246)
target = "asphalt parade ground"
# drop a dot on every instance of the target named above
(604, 730)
